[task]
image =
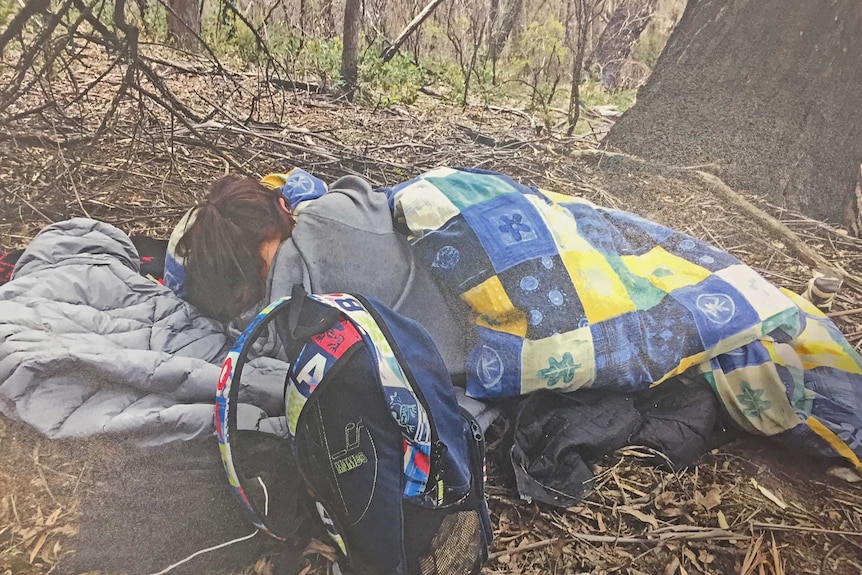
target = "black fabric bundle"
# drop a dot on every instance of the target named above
(558, 437)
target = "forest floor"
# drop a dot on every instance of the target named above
(747, 507)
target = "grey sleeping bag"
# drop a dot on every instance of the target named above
(88, 346)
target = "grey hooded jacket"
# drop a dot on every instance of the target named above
(88, 346)
(345, 242)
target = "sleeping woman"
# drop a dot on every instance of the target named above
(523, 290)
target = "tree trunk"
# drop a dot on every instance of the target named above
(503, 23)
(389, 52)
(329, 20)
(769, 90)
(619, 36)
(184, 23)
(585, 12)
(303, 8)
(575, 94)
(350, 46)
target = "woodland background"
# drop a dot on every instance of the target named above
(494, 50)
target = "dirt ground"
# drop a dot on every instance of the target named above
(747, 507)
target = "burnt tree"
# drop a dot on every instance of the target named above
(619, 36)
(503, 18)
(350, 47)
(585, 13)
(767, 89)
(184, 22)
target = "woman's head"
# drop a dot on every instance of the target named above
(226, 244)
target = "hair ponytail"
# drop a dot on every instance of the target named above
(221, 248)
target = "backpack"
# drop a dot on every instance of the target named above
(393, 467)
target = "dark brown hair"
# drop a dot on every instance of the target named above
(223, 265)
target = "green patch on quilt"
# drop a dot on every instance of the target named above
(641, 291)
(788, 320)
(801, 398)
(465, 189)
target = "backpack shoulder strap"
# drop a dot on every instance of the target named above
(227, 395)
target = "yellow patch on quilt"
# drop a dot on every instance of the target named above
(816, 339)
(684, 365)
(495, 310)
(562, 226)
(664, 270)
(565, 361)
(816, 347)
(602, 293)
(424, 206)
(559, 198)
(838, 444)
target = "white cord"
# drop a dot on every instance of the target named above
(226, 543)
(202, 551)
(265, 496)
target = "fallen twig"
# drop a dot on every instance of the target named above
(845, 312)
(523, 548)
(784, 527)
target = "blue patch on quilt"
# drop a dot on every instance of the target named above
(657, 232)
(454, 255)
(628, 236)
(716, 304)
(619, 355)
(511, 231)
(803, 439)
(494, 365)
(593, 227)
(843, 389)
(792, 378)
(543, 288)
(668, 334)
(698, 252)
(748, 355)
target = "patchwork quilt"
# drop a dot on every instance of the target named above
(569, 295)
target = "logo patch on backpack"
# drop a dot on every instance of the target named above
(351, 456)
